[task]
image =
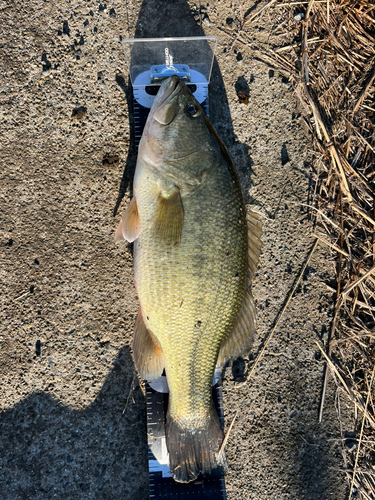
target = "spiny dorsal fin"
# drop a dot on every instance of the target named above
(129, 227)
(169, 218)
(239, 342)
(148, 356)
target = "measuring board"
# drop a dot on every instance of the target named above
(144, 95)
(146, 83)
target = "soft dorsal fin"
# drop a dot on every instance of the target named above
(169, 218)
(129, 227)
(239, 342)
(147, 354)
(254, 234)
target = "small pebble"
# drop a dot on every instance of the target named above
(299, 17)
(79, 113)
(230, 23)
(351, 445)
(206, 21)
(243, 96)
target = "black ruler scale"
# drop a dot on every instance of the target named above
(161, 483)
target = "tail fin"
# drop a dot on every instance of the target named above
(193, 450)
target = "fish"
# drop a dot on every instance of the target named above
(196, 251)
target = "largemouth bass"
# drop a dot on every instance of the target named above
(195, 253)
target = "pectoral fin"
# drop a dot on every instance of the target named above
(148, 356)
(129, 226)
(169, 218)
(239, 342)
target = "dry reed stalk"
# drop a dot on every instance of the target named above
(335, 247)
(251, 18)
(329, 58)
(361, 434)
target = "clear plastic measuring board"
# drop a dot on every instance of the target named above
(150, 61)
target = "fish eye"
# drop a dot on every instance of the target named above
(192, 109)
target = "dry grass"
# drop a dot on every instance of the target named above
(329, 57)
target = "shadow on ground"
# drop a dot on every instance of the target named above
(48, 450)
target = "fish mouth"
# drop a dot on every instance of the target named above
(165, 105)
(169, 88)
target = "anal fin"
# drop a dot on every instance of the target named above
(148, 356)
(129, 227)
(169, 218)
